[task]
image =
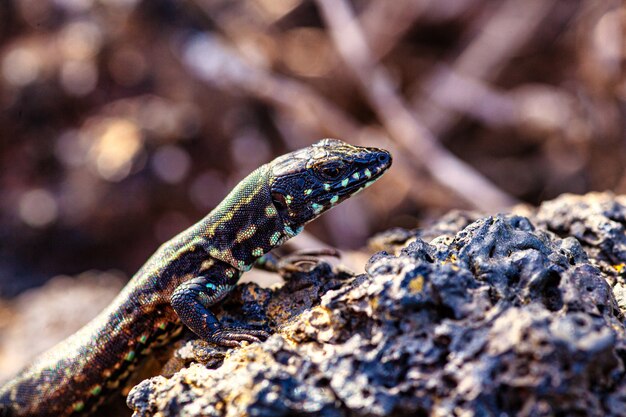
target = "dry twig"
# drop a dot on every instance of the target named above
(493, 45)
(401, 124)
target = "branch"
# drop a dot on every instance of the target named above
(506, 31)
(395, 116)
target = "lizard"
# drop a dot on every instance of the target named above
(188, 275)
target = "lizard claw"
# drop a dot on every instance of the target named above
(299, 261)
(232, 337)
(304, 261)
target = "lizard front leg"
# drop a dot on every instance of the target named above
(191, 301)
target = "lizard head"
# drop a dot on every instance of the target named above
(307, 182)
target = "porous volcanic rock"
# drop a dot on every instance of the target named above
(472, 316)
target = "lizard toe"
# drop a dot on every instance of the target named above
(233, 337)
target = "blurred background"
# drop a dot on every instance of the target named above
(124, 121)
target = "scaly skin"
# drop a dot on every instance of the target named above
(189, 274)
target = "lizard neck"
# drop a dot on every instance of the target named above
(245, 225)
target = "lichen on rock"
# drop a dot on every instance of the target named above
(473, 316)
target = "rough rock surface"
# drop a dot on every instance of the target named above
(473, 316)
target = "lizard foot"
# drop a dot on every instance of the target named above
(299, 261)
(304, 261)
(233, 336)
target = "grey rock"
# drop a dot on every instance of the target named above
(505, 315)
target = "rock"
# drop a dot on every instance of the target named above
(491, 316)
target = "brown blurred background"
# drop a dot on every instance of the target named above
(124, 121)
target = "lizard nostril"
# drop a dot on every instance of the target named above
(383, 157)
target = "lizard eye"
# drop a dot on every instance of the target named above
(332, 171)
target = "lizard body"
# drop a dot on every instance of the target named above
(189, 274)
